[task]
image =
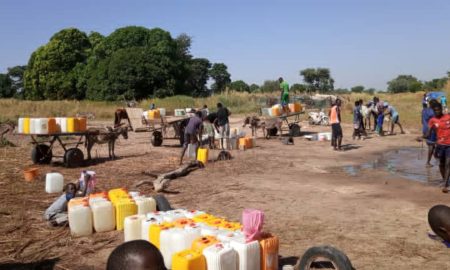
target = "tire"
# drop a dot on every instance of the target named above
(157, 138)
(294, 130)
(73, 158)
(332, 256)
(162, 204)
(272, 131)
(325, 121)
(41, 154)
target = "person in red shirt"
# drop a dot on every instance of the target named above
(440, 123)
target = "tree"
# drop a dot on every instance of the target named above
(370, 91)
(15, 74)
(435, 84)
(270, 86)
(318, 80)
(404, 83)
(221, 77)
(357, 89)
(254, 87)
(298, 88)
(6, 90)
(240, 86)
(341, 91)
(198, 77)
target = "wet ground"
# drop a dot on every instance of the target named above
(407, 163)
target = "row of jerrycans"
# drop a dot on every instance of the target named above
(198, 241)
(98, 213)
(51, 125)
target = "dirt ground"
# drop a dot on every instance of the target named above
(378, 219)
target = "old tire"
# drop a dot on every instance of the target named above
(272, 131)
(41, 154)
(294, 130)
(323, 257)
(157, 138)
(162, 204)
(73, 158)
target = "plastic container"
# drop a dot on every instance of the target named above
(80, 220)
(203, 217)
(104, 216)
(117, 193)
(124, 208)
(202, 155)
(77, 201)
(153, 114)
(155, 232)
(266, 111)
(33, 125)
(183, 222)
(162, 112)
(276, 110)
(245, 143)
(203, 242)
(81, 124)
(173, 215)
(145, 205)
(220, 257)
(269, 252)
(146, 223)
(179, 112)
(61, 123)
(295, 107)
(132, 227)
(227, 236)
(175, 240)
(193, 213)
(234, 144)
(248, 254)
(71, 124)
(190, 152)
(41, 126)
(188, 260)
(20, 125)
(54, 182)
(26, 125)
(30, 174)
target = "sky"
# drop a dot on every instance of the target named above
(362, 42)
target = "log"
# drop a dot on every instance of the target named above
(162, 181)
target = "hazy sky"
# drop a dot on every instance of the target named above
(364, 42)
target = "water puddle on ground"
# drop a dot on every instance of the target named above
(408, 163)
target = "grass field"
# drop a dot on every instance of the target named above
(407, 104)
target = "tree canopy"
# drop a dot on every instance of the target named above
(240, 86)
(404, 83)
(318, 79)
(219, 72)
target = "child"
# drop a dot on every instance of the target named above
(135, 255)
(209, 129)
(357, 120)
(439, 220)
(56, 214)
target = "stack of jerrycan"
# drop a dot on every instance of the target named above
(52, 125)
(124, 205)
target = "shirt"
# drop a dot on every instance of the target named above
(58, 206)
(211, 117)
(357, 115)
(222, 116)
(392, 111)
(444, 101)
(194, 125)
(285, 87)
(442, 127)
(427, 114)
(334, 115)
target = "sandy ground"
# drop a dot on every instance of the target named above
(378, 219)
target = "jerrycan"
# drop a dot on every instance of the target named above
(71, 124)
(248, 253)
(104, 216)
(269, 252)
(81, 124)
(155, 232)
(202, 155)
(80, 220)
(220, 257)
(132, 227)
(188, 260)
(124, 208)
(175, 240)
(203, 242)
(147, 222)
(54, 182)
(145, 205)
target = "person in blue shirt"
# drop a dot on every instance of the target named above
(427, 114)
(395, 119)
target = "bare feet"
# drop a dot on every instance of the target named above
(428, 165)
(445, 190)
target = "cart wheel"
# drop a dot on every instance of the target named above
(294, 130)
(41, 154)
(325, 257)
(74, 157)
(157, 138)
(272, 131)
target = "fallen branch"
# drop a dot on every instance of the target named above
(162, 181)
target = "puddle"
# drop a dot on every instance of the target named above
(408, 163)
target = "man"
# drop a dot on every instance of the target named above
(439, 220)
(440, 123)
(223, 123)
(392, 112)
(192, 132)
(56, 214)
(210, 124)
(427, 114)
(380, 115)
(284, 89)
(336, 130)
(136, 255)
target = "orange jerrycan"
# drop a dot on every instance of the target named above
(203, 242)
(188, 260)
(81, 124)
(269, 252)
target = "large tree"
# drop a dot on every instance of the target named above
(16, 76)
(240, 86)
(270, 86)
(5, 86)
(221, 77)
(318, 80)
(298, 88)
(357, 89)
(404, 83)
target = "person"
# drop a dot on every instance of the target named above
(427, 114)
(209, 128)
(392, 112)
(357, 121)
(444, 103)
(152, 106)
(192, 132)
(223, 123)
(284, 89)
(440, 123)
(136, 255)
(205, 111)
(336, 130)
(56, 213)
(439, 220)
(380, 115)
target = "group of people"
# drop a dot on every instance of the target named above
(206, 122)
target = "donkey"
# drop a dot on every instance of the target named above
(109, 137)
(269, 124)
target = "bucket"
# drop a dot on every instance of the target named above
(30, 174)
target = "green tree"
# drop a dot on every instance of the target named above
(270, 86)
(16, 74)
(318, 80)
(298, 88)
(6, 91)
(198, 77)
(240, 86)
(370, 91)
(221, 77)
(341, 91)
(357, 89)
(404, 83)
(254, 87)
(435, 84)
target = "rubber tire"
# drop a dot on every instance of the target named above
(340, 260)
(157, 138)
(272, 131)
(73, 158)
(294, 130)
(37, 155)
(162, 204)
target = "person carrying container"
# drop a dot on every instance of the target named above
(284, 89)
(192, 133)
